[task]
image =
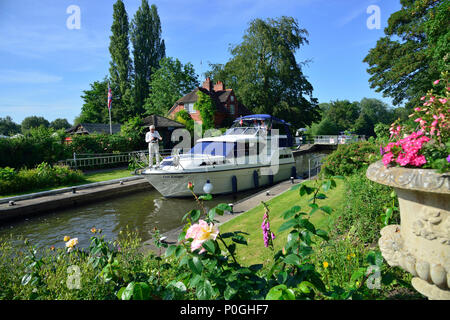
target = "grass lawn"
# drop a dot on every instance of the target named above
(250, 222)
(90, 178)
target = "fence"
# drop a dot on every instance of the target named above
(332, 140)
(95, 160)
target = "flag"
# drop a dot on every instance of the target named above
(109, 97)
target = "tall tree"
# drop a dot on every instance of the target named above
(414, 51)
(148, 50)
(207, 109)
(265, 74)
(8, 126)
(169, 83)
(94, 109)
(120, 65)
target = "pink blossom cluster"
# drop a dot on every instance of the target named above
(406, 151)
(265, 226)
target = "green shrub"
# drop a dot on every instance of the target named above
(43, 175)
(365, 201)
(350, 158)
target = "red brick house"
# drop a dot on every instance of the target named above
(227, 107)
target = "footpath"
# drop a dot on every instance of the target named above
(240, 207)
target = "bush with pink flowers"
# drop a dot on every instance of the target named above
(426, 144)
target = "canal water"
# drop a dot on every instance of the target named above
(140, 212)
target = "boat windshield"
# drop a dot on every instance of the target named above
(213, 148)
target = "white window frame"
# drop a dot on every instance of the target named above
(189, 107)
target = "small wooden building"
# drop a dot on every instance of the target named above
(90, 128)
(164, 126)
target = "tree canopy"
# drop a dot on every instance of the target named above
(33, 122)
(8, 126)
(414, 51)
(265, 74)
(60, 123)
(169, 83)
(95, 109)
(148, 50)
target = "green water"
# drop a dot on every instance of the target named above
(141, 212)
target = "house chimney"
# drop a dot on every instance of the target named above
(207, 84)
(219, 86)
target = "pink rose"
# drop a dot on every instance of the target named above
(436, 82)
(201, 232)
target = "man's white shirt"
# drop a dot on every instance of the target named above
(150, 135)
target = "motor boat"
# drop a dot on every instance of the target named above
(254, 152)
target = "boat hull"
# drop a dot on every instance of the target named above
(174, 184)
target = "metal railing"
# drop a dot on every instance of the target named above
(85, 160)
(332, 140)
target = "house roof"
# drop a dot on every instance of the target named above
(161, 122)
(219, 98)
(91, 128)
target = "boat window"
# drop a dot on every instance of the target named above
(213, 148)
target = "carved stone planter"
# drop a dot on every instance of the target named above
(421, 243)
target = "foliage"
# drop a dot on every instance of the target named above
(415, 48)
(365, 203)
(43, 175)
(8, 126)
(207, 109)
(60, 123)
(264, 72)
(120, 65)
(168, 83)
(36, 146)
(33, 122)
(185, 118)
(95, 108)
(350, 158)
(148, 50)
(133, 130)
(427, 143)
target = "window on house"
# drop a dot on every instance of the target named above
(189, 107)
(232, 108)
(232, 98)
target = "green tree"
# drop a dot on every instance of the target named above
(33, 122)
(409, 58)
(60, 123)
(148, 50)
(95, 108)
(206, 107)
(169, 83)
(185, 118)
(265, 74)
(8, 126)
(343, 114)
(373, 111)
(120, 64)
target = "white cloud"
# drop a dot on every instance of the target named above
(24, 77)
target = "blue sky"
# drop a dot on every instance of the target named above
(44, 66)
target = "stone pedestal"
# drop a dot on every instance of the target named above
(421, 243)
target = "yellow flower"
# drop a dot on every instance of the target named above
(325, 264)
(66, 238)
(348, 257)
(353, 255)
(72, 243)
(93, 230)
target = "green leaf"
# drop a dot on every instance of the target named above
(288, 224)
(227, 235)
(205, 197)
(224, 207)
(292, 259)
(280, 292)
(323, 234)
(180, 250)
(305, 287)
(326, 185)
(291, 212)
(304, 223)
(239, 239)
(182, 236)
(170, 250)
(314, 208)
(204, 290)
(141, 291)
(326, 209)
(128, 292)
(195, 265)
(209, 245)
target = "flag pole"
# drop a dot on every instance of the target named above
(109, 107)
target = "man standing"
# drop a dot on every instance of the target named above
(152, 138)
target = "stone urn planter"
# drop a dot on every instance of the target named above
(421, 243)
